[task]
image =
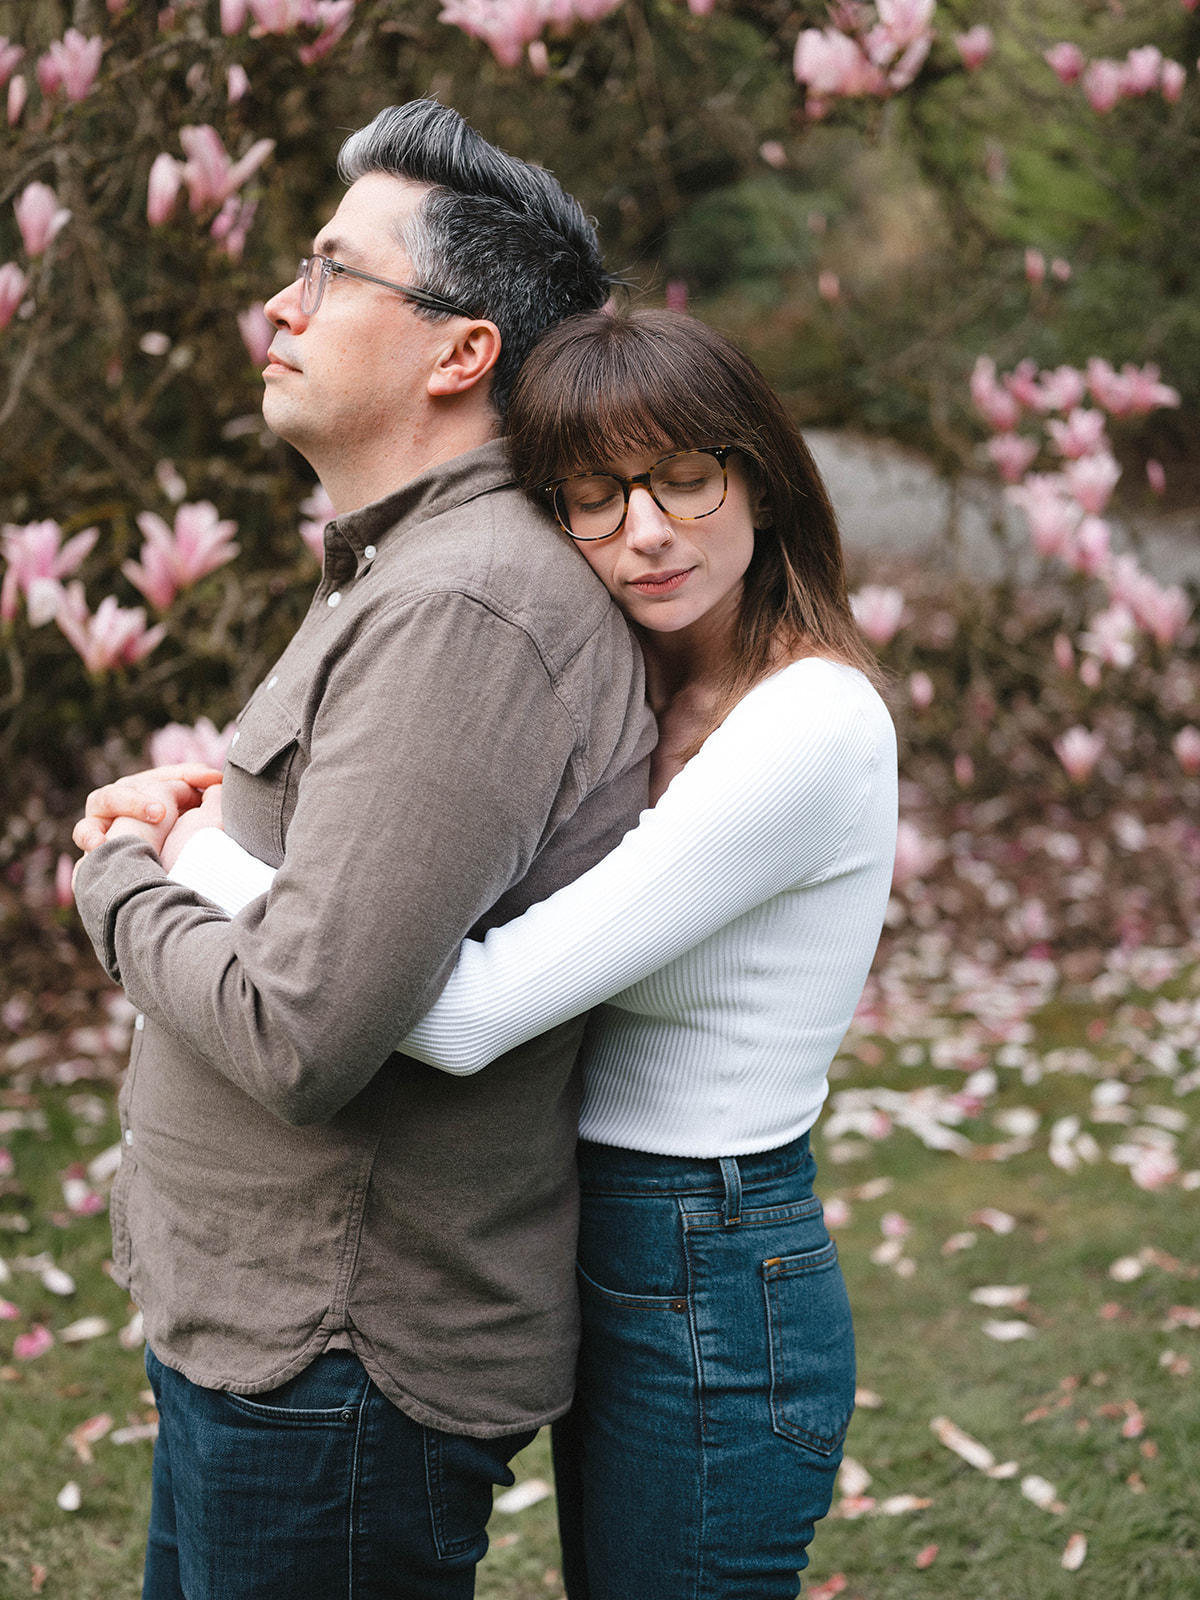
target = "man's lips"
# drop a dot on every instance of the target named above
(274, 359)
(660, 582)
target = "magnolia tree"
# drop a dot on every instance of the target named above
(165, 166)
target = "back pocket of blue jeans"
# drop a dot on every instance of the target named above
(812, 1348)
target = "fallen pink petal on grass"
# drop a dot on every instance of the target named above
(926, 1558)
(1075, 1553)
(954, 1438)
(29, 1346)
(1041, 1493)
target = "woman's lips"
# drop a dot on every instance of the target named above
(660, 582)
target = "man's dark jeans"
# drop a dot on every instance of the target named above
(318, 1490)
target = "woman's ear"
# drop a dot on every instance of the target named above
(464, 359)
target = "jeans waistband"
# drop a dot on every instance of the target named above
(606, 1168)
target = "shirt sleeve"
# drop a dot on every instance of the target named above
(299, 1000)
(215, 866)
(768, 803)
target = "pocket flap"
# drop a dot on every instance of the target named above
(268, 729)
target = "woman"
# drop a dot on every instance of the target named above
(730, 934)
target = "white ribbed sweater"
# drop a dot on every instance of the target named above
(730, 932)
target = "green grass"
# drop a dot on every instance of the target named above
(920, 1346)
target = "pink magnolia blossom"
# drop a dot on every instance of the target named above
(256, 331)
(335, 16)
(1011, 454)
(505, 26)
(1022, 384)
(1062, 389)
(921, 690)
(233, 16)
(974, 46)
(1066, 61)
(166, 180)
(773, 153)
(964, 770)
(675, 295)
(1091, 548)
(539, 57)
(39, 217)
(171, 561)
(281, 16)
(829, 287)
(1155, 476)
(18, 93)
(1060, 270)
(64, 871)
(36, 554)
(1174, 77)
(1035, 266)
(1162, 611)
(1053, 518)
(1092, 479)
(318, 510)
(29, 1346)
(177, 743)
(12, 288)
(995, 403)
(1089, 672)
(879, 611)
(210, 175)
(11, 57)
(1142, 392)
(71, 65)
(1104, 84)
(1110, 636)
(1143, 70)
(1079, 750)
(916, 856)
(115, 636)
(1082, 434)
(1186, 745)
(237, 83)
(831, 64)
(906, 22)
(232, 224)
(1064, 653)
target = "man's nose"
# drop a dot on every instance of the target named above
(647, 526)
(283, 309)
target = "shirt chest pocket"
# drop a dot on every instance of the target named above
(262, 773)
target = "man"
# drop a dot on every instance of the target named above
(356, 1272)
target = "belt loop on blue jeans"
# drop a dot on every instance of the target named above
(732, 1208)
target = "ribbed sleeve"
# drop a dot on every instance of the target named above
(731, 932)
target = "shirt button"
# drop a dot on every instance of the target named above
(139, 1021)
(335, 599)
(128, 1135)
(271, 684)
(370, 552)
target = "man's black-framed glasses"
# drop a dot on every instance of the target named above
(316, 271)
(686, 485)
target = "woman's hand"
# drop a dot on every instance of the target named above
(206, 815)
(145, 805)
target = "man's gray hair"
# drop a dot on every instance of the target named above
(495, 235)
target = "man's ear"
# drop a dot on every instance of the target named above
(466, 358)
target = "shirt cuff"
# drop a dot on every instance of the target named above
(214, 866)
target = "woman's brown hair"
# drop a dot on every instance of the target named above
(598, 387)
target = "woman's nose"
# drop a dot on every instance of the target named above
(647, 526)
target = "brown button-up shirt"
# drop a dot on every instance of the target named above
(457, 728)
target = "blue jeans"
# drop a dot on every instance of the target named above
(318, 1490)
(716, 1378)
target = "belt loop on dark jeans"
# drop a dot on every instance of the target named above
(732, 1209)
